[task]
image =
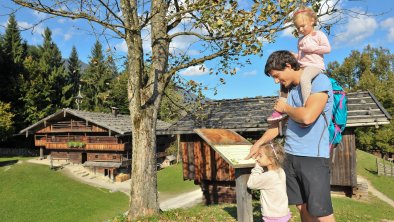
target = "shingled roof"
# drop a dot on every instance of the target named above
(250, 114)
(120, 124)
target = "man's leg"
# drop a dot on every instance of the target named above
(306, 217)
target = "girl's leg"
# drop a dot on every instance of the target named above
(276, 116)
(309, 73)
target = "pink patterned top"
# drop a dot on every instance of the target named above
(311, 49)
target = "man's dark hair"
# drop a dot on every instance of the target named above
(277, 61)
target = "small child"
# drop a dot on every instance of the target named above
(311, 47)
(269, 177)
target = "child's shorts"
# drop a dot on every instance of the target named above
(277, 219)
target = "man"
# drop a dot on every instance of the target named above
(306, 138)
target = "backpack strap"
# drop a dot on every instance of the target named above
(331, 147)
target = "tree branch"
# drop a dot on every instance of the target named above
(68, 14)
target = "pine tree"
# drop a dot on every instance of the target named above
(53, 71)
(12, 70)
(96, 80)
(35, 90)
(73, 79)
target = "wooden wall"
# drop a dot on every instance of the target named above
(203, 165)
(217, 179)
(343, 161)
(113, 157)
(201, 162)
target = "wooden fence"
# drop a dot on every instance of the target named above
(19, 152)
(384, 167)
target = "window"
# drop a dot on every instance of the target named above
(96, 156)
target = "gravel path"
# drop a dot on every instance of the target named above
(166, 202)
(376, 192)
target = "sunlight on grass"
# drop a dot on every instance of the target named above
(31, 192)
(366, 167)
(170, 180)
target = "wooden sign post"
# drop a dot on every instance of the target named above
(233, 148)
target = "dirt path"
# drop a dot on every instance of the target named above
(376, 192)
(166, 202)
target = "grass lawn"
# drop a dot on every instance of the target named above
(170, 181)
(32, 192)
(366, 167)
(345, 209)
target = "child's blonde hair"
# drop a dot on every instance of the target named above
(305, 11)
(275, 152)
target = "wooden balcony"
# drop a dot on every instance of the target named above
(88, 146)
(40, 142)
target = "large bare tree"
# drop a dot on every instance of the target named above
(221, 29)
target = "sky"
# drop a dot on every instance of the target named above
(352, 33)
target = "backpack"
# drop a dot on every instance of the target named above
(339, 114)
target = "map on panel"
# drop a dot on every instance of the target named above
(235, 155)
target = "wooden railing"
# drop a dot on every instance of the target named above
(88, 146)
(85, 139)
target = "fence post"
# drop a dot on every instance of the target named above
(377, 166)
(384, 168)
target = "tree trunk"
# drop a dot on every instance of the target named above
(143, 194)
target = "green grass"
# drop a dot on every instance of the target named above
(32, 192)
(345, 209)
(366, 167)
(170, 181)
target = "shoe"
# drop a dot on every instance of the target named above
(276, 116)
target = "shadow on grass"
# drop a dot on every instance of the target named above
(8, 162)
(232, 211)
(371, 171)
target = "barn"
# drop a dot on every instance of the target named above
(98, 141)
(247, 117)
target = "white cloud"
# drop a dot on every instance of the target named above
(38, 29)
(288, 32)
(356, 30)
(61, 20)
(122, 46)
(195, 71)
(40, 15)
(250, 73)
(68, 36)
(389, 24)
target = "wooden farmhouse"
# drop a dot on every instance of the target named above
(248, 117)
(98, 141)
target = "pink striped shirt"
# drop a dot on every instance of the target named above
(311, 49)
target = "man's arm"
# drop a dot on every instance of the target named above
(270, 134)
(307, 114)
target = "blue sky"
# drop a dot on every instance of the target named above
(353, 33)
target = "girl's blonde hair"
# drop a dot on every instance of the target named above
(305, 11)
(275, 152)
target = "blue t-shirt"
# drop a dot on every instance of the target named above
(312, 141)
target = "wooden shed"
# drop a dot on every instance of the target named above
(98, 141)
(248, 117)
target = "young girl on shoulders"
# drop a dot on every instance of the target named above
(312, 45)
(269, 177)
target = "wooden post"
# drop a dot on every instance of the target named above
(41, 153)
(244, 197)
(178, 145)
